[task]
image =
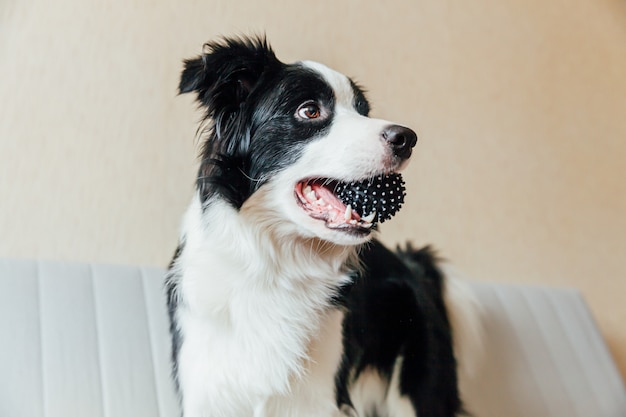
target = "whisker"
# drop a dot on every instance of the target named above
(249, 177)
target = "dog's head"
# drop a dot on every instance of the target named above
(292, 144)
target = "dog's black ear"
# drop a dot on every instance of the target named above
(227, 71)
(223, 78)
(193, 76)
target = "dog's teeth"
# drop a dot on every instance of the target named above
(367, 225)
(353, 222)
(307, 190)
(370, 218)
(311, 196)
(320, 202)
(348, 214)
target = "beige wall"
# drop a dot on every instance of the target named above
(520, 107)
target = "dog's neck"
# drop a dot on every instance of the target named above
(264, 296)
(226, 251)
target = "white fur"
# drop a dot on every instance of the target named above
(315, 393)
(368, 393)
(264, 299)
(372, 392)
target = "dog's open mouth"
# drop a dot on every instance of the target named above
(352, 206)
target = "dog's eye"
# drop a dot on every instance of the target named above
(309, 110)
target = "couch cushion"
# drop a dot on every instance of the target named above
(86, 340)
(83, 340)
(544, 357)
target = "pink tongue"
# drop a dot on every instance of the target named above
(339, 209)
(325, 194)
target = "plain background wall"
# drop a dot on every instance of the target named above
(520, 107)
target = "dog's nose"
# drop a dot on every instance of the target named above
(401, 140)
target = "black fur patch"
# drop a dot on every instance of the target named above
(396, 308)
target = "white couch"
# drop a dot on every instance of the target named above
(85, 340)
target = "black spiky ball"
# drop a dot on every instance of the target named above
(384, 193)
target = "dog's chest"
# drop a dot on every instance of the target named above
(266, 351)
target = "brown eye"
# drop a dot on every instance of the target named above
(309, 111)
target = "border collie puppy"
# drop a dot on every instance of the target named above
(281, 302)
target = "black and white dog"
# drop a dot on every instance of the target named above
(281, 302)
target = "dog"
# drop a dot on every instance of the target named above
(281, 300)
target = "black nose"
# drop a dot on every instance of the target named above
(401, 140)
